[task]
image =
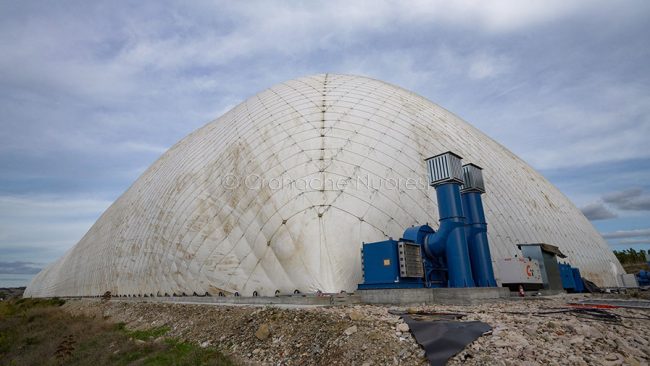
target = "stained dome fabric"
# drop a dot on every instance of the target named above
(280, 192)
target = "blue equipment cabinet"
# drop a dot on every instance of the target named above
(566, 274)
(577, 279)
(643, 277)
(391, 264)
(571, 278)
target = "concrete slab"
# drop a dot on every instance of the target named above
(297, 300)
(537, 293)
(448, 296)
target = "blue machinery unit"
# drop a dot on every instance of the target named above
(385, 265)
(643, 277)
(457, 255)
(571, 279)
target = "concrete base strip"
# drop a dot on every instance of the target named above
(446, 296)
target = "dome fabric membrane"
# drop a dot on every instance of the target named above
(280, 192)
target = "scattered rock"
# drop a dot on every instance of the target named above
(612, 359)
(355, 315)
(263, 332)
(501, 344)
(531, 330)
(350, 331)
(577, 360)
(402, 327)
(577, 340)
(324, 335)
(588, 331)
(641, 340)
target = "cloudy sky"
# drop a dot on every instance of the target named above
(93, 92)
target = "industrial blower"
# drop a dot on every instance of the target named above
(456, 255)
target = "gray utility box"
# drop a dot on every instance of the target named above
(520, 271)
(546, 255)
(628, 280)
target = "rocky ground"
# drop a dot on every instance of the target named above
(371, 335)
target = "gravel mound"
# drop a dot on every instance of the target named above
(371, 335)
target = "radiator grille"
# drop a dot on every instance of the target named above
(410, 260)
(445, 168)
(472, 179)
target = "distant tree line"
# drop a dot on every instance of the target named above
(631, 256)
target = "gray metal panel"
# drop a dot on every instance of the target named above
(444, 168)
(629, 280)
(519, 271)
(552, 271)
(472, 179)
(553, 249)
(547, 265)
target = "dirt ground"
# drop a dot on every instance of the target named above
(371, 335)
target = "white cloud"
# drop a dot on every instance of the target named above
(485, 67)
(134, 146)
(71, 43)
(633, 199)
(494, 16)
(627, 234)
(635, 241)
(597, 120)
(597, 211)
(48, 206)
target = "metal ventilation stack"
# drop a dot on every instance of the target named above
(477, 240)
(446, 176)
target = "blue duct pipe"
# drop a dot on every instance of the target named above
(417, 234)
(435, 268)
(450, 240)
(477, 241)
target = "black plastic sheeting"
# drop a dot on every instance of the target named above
(590, 286)
(442, 339)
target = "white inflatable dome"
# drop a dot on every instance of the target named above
(280, 192)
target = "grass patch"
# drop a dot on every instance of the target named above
(12, 307)
(177, 353)
(149, 334)
(38, 332)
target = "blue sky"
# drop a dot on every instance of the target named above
(93, 92)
